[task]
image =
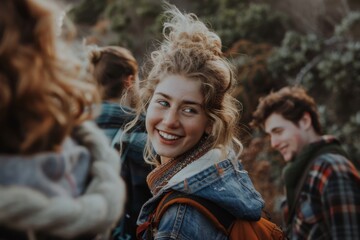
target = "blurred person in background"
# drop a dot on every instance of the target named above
(58, 175)
(322, 184)
(116, 70)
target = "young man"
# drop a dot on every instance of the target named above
(323, 203)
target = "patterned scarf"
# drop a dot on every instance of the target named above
(160, 176)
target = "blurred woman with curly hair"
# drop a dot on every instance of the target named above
(58, 176)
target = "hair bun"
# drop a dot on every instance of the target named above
(186, 31)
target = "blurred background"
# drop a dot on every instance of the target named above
(272, 43)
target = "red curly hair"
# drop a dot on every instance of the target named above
(41, 95)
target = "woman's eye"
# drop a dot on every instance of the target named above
(190, 110)
(163, 103)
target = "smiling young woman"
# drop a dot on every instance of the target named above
(191, 120)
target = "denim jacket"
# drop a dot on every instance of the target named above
(219, 181)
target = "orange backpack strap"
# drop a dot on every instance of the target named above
(218, 216)
(262, 229)
(222, 219)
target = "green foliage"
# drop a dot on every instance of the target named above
(124, 14)
(295, 52)
(131, 19)
(87, 11)
(254, 22)
(349, 133)
(253, 77)
(350, 26)
(137, 21)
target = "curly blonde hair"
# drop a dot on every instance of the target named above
(190, 49)
(41, 96)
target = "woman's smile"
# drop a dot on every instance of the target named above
(168, 136)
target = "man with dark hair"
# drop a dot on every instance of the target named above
(322, 184)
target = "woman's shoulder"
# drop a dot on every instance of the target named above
(211, 165)
(182, 221)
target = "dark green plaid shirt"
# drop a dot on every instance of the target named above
(134, 170)
(329, 204)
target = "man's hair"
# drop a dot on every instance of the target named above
(291, 103)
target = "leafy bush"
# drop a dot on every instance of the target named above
(87, 11)
(255, 22)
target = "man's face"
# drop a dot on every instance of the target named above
(286, 137)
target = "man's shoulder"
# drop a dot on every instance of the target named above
(331, 160)
(328, 152)
(117, 116)
(333, 164)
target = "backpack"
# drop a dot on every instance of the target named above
(262, 229)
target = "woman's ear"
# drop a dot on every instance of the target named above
(208, 129)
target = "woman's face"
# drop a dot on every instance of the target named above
(175, 119)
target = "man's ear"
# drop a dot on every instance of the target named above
(129, 81)
(305, 121)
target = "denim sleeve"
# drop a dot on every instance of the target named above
(183, 222)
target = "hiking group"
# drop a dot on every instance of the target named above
(91, 151)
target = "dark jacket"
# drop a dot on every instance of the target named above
(134, 170)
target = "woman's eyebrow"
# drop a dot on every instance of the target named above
(190, 102)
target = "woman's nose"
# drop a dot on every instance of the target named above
(171, 118)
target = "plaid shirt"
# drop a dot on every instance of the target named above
(134, 170)
(329, 204)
